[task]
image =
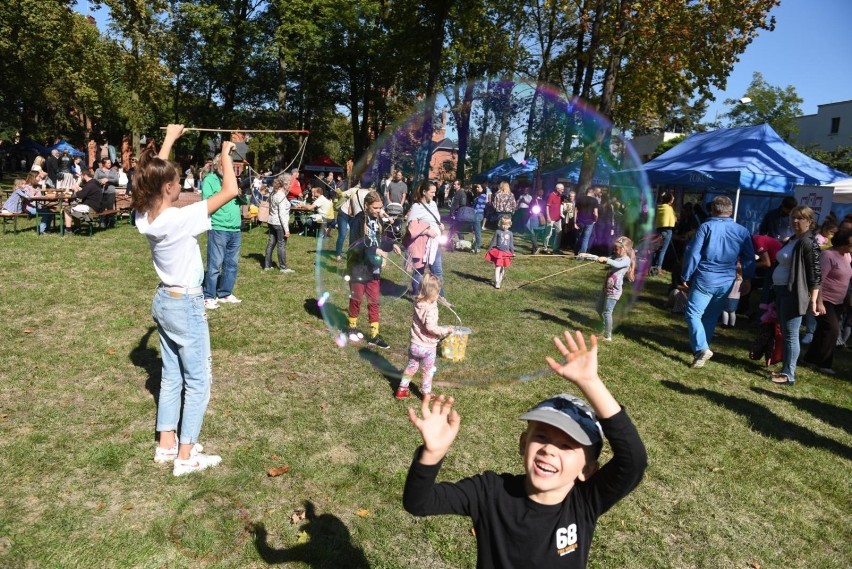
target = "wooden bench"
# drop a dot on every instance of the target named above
(94, 220)
(13, 217)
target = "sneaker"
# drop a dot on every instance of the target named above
(267, 269)
(607, 338)
(231, 299)
(162, 455)
(807, 338)
(378, 342)
(701, 358)
(496, 285)
(445, 302)
(353, 334)
(402, 393)
(211, 304)
(338, 258)
(827, 370)
(195, 463)
(286, 270)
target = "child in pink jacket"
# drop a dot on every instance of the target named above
(425, 334)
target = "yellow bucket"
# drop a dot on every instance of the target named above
(453, 347)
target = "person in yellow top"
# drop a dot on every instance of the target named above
(665, 222)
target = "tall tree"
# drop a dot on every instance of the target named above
(765, 103)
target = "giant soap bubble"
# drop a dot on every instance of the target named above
(533, 138)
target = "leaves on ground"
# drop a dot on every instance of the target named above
(278, 471)
(362, 513)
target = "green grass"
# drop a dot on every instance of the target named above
(741, 472)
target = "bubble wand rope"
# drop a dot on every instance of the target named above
(555, 274)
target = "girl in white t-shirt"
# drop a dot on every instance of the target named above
(178, 306)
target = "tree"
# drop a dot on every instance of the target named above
(840, 158)
(765, 103)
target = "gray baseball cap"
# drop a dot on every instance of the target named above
(571, 415)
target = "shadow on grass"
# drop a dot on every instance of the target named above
(381, 364)
(832, 414)
(258, 258)
(765, 421)
(541, 315)
(147, 358)
(471, 277)
(329, 544)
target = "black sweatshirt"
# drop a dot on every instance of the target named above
(513, 531)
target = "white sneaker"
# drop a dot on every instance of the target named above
(162, 455)
(230, 299)
(286, 270)
(211, 304)
(195, 463)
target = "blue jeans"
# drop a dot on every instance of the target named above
(791, 322)
(605, 307)
(666, 234)
(437, 270)
(477, 230)
(185, 350)
(342, 232)
(585, 237)
(703, 309)
(46, 218)
(223, 250)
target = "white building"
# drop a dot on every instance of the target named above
(646, 144)
(829, 128)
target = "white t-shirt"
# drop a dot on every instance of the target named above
(173, 237)
(524, 201)
(324, 207)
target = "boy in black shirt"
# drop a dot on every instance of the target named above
(546, 517)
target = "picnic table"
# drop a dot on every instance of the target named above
(52, 201)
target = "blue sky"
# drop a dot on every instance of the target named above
(810, 49)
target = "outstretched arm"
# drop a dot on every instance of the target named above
(173, 132)
(581, 368)
(438, 427)
(230, 190)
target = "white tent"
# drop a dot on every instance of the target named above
(842, 191)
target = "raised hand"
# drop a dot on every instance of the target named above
(228, 147)
(174, 131)
(581, 363)
(438, 427)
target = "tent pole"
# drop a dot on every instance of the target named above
(737, 203)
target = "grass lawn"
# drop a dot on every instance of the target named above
(742, 473)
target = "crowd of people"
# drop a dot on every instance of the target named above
(803, 272)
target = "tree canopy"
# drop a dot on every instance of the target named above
(348, 70)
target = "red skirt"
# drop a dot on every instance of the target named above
(499, 258)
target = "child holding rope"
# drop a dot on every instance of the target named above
(425, 334)
(623, 261)
(501, 249)
(364, 267)
(178, 306)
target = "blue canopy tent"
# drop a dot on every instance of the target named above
(496, 171)
(62, 145)
(732, 160)
(27, 144)
(528, 166)
(571, 172)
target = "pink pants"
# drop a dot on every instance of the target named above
(418, 355)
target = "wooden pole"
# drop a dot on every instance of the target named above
(239, 130)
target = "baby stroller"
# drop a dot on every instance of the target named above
(393, 221)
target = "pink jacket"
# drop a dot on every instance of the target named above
(425, 330)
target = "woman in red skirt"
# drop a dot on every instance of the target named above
(501, 249)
